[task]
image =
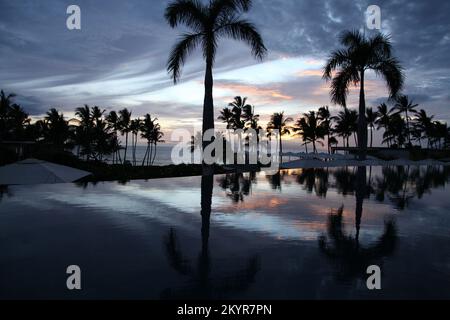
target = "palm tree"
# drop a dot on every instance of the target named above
(345, 124)
(147, 128)
(384, 118)
(423, 124)
(371, 118)
(324, 115)
(360, 55)
(125, 121)
(135, 127)
(226, 115)
(5, 106)
(279, 122)
(311, 129)
(406, 106)
(113, 123)
(156, 136)
(209, 23)
(57, 128)
(18, 118)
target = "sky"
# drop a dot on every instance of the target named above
(118, 58)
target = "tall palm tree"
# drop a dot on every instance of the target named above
(325, 116)
(226, 116)
(311, 129)
(279, 122)
(18, 119)
(371, 118)
(113, 123)
(5, 106)
(405, 106)
(345, 124)
(125, 121)
(423, 124)
(210, 22)
(57, 128)
(360, 55)
(135, 127)
(147, 128)
(157, 136)
(384, 118)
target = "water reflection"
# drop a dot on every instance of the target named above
(350, 258)
(237, 185)
(4, 191)
(202, 284)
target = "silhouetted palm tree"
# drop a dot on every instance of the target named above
(114, 125)
(279, 122)
(311, 129)
(156, 137)
(57, 131)
(325, 118)
(125, 122)
(147, 128)
(371, 119)
(384, 118)
(135, 127)
(209, 23)
(346, 121)
(407, 107)
(360, 55)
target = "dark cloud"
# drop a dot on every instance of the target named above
(130, 39)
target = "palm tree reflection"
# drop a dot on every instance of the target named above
(202, 284)
(314, 179)
(4, 191)
(350, 258)
(237, 185)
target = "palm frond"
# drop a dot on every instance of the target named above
(191, 13)
(180, 51)
(245, 31)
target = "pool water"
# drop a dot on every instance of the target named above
(298, 234)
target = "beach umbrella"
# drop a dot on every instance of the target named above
(33, 171)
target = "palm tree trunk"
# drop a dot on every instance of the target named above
(407, 127)
(154, 154)
(362, 123)
(281, 149)
(306, 146)
(145, 155)
(126, 147)
(208, 107)
(371, 137)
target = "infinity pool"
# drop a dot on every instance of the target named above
(298, 234)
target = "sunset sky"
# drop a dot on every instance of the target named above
(118, 58)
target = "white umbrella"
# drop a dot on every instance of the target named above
(33, 171)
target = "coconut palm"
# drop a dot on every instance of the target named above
(18, 119)
(311, 129)
(384, 118)
(345, 124)
(407, 107)
(57, 131)
(324, 115)
(371, 118)
(423, 124)
(147, 127)
(209, 23)
(226, 116)
(6, 102)
(280, 123)
(125, 122)
(135, 127)
(349, 66)
(156, 137)
(113, 123)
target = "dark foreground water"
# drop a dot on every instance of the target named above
(300, 234)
